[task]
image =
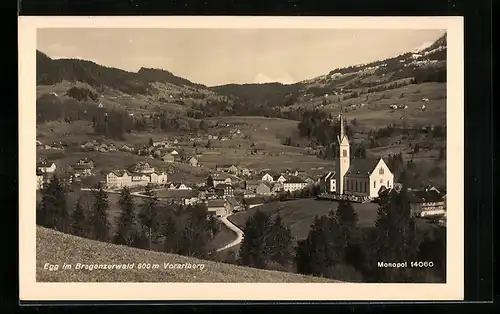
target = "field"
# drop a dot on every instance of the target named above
(376, 112)
(298, 215)
(58, 248)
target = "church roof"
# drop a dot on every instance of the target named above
(362, 168)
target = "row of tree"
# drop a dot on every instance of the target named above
(148, 225)
(336, 247)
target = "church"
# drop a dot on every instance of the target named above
(357, 177)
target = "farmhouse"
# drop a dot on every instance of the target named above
(193, 162)
(249, 203)
(219, 207)
(245, 172)
(83, 167)
(359, 177)
(264, 188)
(294, 184)
(221, 178)
(45, 166)
(143, 167)
(426, 202)
(279, 178)
(267, 177)
(168, 158)
(125, 178)
(224, 190)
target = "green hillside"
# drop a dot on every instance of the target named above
(58, 248)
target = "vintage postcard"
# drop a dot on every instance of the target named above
(231, 158)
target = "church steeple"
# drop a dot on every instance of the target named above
(344, 160)
(342, 137)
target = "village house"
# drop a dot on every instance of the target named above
(426, 202)
(219, 207)
(45, 166)
(279, 178)
(193, 161)
(294, 184)
(249, 203)
(277, 188)
(168, 158)
(245, 172)
(179, 187)
(143, 167)
(267, 177)
(221, 178)
(41, 179)
(233, 170)
(357, 177)
(119, 179)
(224, 190)
(264, 188)
(223, 168)
(235, 205)
(249, 194)
(251, 185)
(142, 174)
(83, 167)
(191, 200)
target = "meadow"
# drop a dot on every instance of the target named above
(57, 248)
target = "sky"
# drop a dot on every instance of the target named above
(223, 56)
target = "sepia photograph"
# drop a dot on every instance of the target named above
(260, 154)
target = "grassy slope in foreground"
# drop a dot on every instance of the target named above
(58, 248)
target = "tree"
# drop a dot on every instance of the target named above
(151, 142)
(253, 251)
(394, 237)
(194, 235)
(78, 220)
(148, 216)
(169, 235)
(210, 182)
(322, 249)
(99, 225)
(54, 214)
(126, 233)
(279, 242)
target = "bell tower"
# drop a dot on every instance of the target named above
(343, 157)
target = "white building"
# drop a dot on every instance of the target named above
(361, 177)
(267, 177)
(124, 178)
(45, 166)
(294, 184)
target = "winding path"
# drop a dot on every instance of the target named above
(235, 229)
(223, 219)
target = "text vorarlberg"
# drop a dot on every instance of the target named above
(130, 266)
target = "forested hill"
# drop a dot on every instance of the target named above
(420, 66)
(53, 71)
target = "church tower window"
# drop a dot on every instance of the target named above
(381, 170)
(344, 153)
(374, 184)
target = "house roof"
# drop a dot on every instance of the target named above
(44, 163)
(254, 200)
(267, 184)
(362, 168)
(425, 195)
(216, 203)
(271, 173)
(221, 176)
(81, 167)
(294, 180)
(168, 156)
(120, 173)
(277, 176)
(223, 186)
